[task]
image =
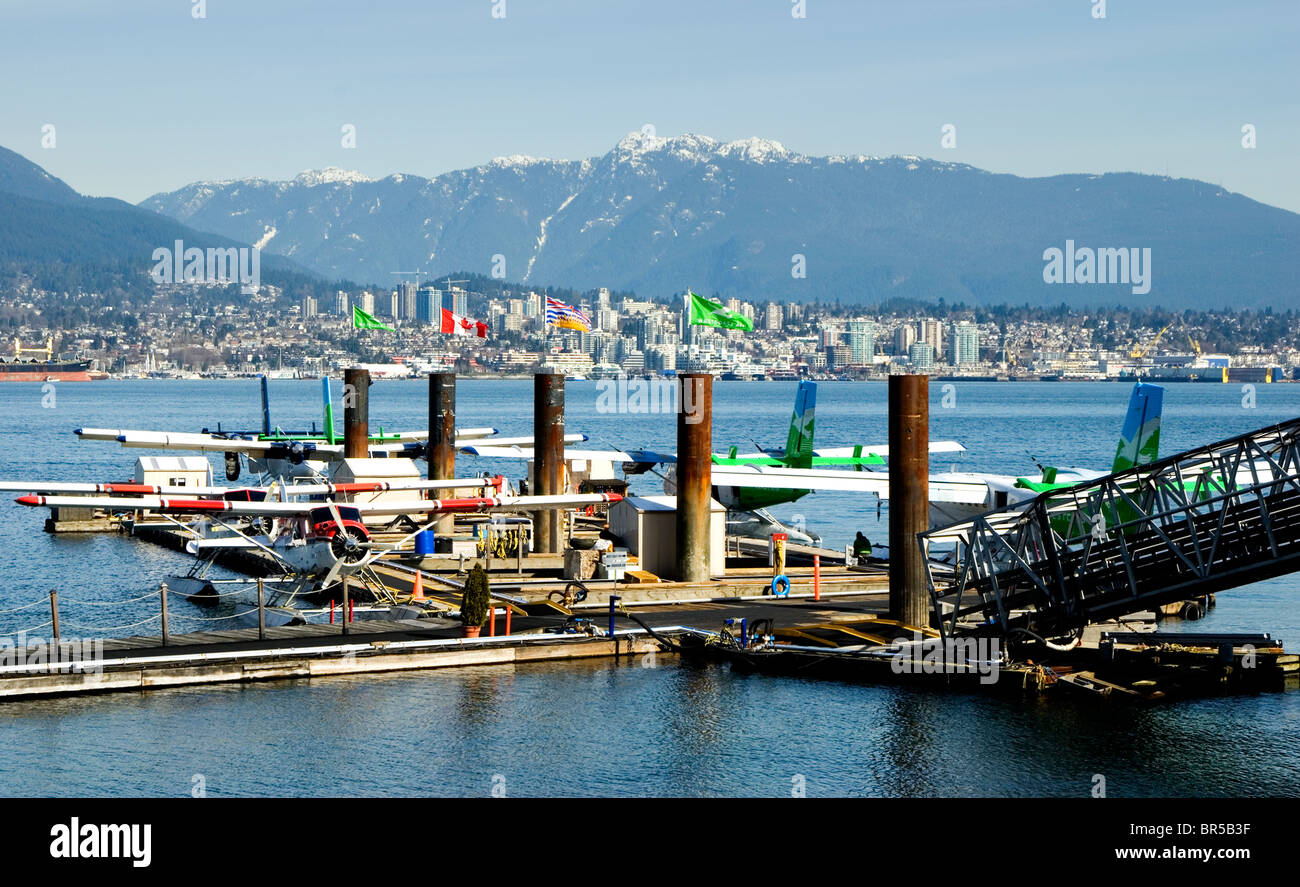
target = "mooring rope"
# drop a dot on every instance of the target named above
(26, 606)
(107, 603)
(34, 627)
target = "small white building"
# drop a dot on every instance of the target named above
(174, 471)
(381, 470)
(648, 526)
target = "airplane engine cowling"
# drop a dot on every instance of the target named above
(348, 545)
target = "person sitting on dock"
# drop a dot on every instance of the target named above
(861, 547)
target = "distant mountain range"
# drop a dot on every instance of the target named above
(64, 241)
(658, 215)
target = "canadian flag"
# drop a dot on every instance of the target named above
(455, 325)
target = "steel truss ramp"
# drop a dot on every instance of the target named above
(1195, 523)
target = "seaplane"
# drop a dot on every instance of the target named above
(272, 452)
(738, 479)
(317, 543)
(958, 496)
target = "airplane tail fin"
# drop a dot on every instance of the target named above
(799, 443)
(266, 408)
(1139, 442)
(329, 411)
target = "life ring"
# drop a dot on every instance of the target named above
(782, 580)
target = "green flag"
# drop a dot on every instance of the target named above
(706, 313)
(364, 320)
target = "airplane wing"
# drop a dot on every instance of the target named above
(496, 452)
(967, 489)
(936, 446)
(170, 505)
(401, 441)
(524, 441)
(824, 457)
(779, 477)
(243, 493)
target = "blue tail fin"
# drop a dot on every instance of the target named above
(1139, 441)
(330, 434)
(266, 408)
(799, 443)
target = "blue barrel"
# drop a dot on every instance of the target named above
(424, 542)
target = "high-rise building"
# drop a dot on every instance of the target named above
(930, 332)
(773, 318)
(602, 299)
(406, 301)
(607, 320)
(965, 348)
(532, 305)
(837, 357)
(308, 306)
(428, 305)
(862, 342)
(922, 357)
(904, 336)
(341, 306)
(367, 301)
(456, 300)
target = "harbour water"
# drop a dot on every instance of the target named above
(635, 727)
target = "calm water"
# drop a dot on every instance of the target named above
(604, 728)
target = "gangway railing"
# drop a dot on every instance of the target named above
(1191, 524)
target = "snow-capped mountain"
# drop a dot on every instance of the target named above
(659, 214)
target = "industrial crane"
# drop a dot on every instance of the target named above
(1140, 351)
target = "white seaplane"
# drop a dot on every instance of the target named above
(318, 543)
(272, 452)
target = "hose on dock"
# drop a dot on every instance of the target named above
(581, 594)
(667, 643)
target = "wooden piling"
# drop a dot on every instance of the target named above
(548, 457)
(694, 475)
(162, 594)
(356, 413)
(909, 497)
(441, 448)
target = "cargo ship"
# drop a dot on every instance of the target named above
(47, 370)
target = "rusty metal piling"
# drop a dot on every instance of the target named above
(441, 448)
(548, 457)
(694, 475)
(356, 413)
(909, 496)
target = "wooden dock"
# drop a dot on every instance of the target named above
(307, 651)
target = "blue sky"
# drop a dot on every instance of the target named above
(146, 98)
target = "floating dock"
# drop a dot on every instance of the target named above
(306, 651)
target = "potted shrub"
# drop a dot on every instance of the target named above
(475, 601)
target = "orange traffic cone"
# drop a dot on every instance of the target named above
(417, 593)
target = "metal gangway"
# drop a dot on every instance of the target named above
(1195, 523)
